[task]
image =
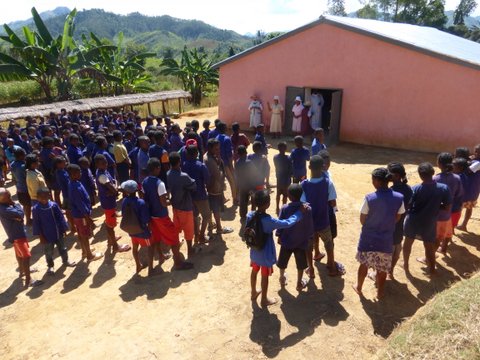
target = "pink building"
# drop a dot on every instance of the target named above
(386, 84)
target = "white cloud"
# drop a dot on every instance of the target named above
(242, 16)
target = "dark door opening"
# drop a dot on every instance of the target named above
(331, 110)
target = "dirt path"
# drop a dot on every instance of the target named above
(101, 310)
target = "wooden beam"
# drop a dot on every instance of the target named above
(149, 109)
(163, 108)
(179, 106)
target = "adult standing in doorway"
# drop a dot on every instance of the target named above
(255, 109)
(317, 102)
(297, 115)
(277, 116)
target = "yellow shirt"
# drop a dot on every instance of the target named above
(35, 182)
(119, 152)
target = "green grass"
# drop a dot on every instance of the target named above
(448, 327)
(23, 92)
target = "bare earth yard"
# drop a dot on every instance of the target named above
(103, 311)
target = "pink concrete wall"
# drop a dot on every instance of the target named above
(392, 96)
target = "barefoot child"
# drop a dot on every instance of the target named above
(454, 184)
(378, 216)
(107, 193)
(399, 179)
(320, 193)
(81, 212)
(11, 217)
(262, 260)
(421, 221)
(283, 172)
(295, 240)
(50, 225)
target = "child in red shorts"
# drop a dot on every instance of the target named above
(107, 193)
(162, 227)
(181, 187)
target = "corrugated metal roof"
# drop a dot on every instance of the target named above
(424, 39)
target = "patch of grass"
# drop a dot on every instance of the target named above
(20, 91)
(448, 327)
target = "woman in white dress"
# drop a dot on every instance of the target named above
(255, 109)
(277, 115)
(297, 115)
(316, 111)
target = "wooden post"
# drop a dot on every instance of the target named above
(179, 106)
(163, 108)
(149, 109)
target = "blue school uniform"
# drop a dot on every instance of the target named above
(262, 168)
(88, 181)
(11, 217)
(142, 160)
(110, 160)
(267, 256)
(205, 136)
(176, 142)
(150, 190)
(20, 174)
(425, 205)
(318, 192)
(454, 184)
(377, 231)
(297, 236)
(107, 200)
(198, 171)
(133, 155)
(79, 200)
(299, 158)
(63, 180)
(317, 146)
(49, 221)
(74, 153)
(226, 148)
(283, 170)
(143, 215)
(212, 134)
(261, 138)
(407, 192)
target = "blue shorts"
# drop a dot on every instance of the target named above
(422, 230)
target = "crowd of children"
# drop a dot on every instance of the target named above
(169, 183)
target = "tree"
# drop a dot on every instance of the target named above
(368, 11)
(231, 52)
(464, 9)
(336, 7)
(195, 70)
(259, 37)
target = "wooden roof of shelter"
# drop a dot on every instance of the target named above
(91, 104)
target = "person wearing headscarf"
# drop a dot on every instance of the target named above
(297, 110)
(255, 109)
(277, 114)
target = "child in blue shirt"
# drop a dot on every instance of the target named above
(20, 175)
(62, 178)
(264, 259)
(421, 221)
(320, 193)
(299, 157)
(260, 137)
(50, 225)
(283, 172)
(205, 133)
(380, 212)
(295, 239)
(317, 143)
(87, 179)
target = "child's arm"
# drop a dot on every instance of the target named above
(364, 212)
(60, 218)
(271, 223)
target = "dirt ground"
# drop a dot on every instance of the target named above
(102, 310)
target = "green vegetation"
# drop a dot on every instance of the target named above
(448, 327)
(194, 70)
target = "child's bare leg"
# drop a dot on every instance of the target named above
(430, 256)
(266, 301)
(20, 266)
(112, 242)
(311, 269)
(218, 221)
(444, 246)
(138, 264)
(253, 284)
(189, 248)
(301, 283)
(68, 215)
(28, 214)
(397, 249)
(468, 215)
(283, 278)
(407, 249)
(331, 260)
(316, 242)
(26, 270)
(203, 228)
(277, 208)
(151, 255)
(56, 196)
(381, 277)
(361, 275)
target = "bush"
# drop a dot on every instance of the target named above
(20, 91)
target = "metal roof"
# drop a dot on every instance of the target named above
(423, 39)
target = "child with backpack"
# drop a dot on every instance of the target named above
(259, 237)
(294, 240)
(135, 222)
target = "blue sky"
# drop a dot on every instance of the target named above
(240, 15)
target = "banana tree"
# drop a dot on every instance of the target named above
(195, 71)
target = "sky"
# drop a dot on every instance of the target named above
(242, 16)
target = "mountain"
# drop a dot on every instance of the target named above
(59, 11)
(157, 33)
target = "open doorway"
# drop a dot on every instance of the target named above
(330, 109)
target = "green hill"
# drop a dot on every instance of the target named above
(156, 33)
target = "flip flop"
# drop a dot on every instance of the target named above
(319, 257)
(36, 283)
(340, 270)
(96, 256)
(422, 260)
(302, 285)
(123, 248)
(226, 230)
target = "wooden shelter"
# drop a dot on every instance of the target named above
(90, 104)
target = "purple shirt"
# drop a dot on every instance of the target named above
(176, 142)
(454, 184)
(297, 236)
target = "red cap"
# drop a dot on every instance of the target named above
(191, 142)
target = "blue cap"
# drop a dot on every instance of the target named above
(129, 186)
